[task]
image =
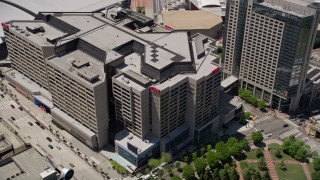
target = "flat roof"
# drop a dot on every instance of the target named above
(44, 100)
(65, 64)
(228, 81)
(26, 161)
(195, 19)
(124, 137)
(39, 38)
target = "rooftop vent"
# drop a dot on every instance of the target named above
(35, 29)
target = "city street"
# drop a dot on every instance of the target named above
(36, 136)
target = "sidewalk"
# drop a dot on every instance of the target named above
(270, 164)
(239, 170)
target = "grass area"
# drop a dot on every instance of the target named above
(293, 172)
(273, 148)
(251, 155)
(284, 156)
(253, 166)
(310, 167)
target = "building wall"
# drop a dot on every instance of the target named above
(169, 108)
(85, 104)
(132, 108)
(203, 99)
(27, 57)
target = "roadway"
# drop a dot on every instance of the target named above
(36, 136)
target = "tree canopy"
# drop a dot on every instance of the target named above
(257, 137)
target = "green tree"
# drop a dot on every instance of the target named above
(236, 150)
(259, 153)
(315, 175)
(316, 164)
(215, 174)
(314, 154)
(243, 164)
(153, 163)
(262, 105)
(232, 173)
(257, 137)
(166, 157)
(247, 115)
(287, 144)
(160, 174)
(262, 164)
(147, 171)
(194, 156)
(200, 165)
(188, 172)
(265, 175)
(246, 174)
(244, 144)
(169, 170)
(202, 151)
(282, 166)
(213, 160)
(301, 154)
(178, 165)
(175, 177)
(223, 150)
(294, 148)
(256, 175)
(209, 147)
(223, 174)
(278, 153)
(186, 159)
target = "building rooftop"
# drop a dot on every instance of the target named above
(299, 8)
(125, 139)
(47, 173)
(195, 19)
(80, 66)
(43, 37)
(26, 162)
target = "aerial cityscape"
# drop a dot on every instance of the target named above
(160, 89)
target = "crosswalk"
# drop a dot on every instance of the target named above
(6, 104)
(290, 122)
(262, 119)
(293, 132)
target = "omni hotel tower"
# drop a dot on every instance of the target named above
(267, 47)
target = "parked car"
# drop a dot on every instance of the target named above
(2, 95)
(30, 123)
(49, 139)
(72, 165)
(12, 106)
(13, 118)
(42, 127)
(38, 123)
(58, 147)
(285, 125)
(21, 109)
(50, 146)
(269, 135)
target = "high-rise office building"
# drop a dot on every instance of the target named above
(267, 46)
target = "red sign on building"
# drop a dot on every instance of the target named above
(5, 26)
(155, 90)
(215, 70)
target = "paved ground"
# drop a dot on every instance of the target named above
(270, 164)
(239, 170)
(37, 138)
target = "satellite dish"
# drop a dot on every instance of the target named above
(66, 174)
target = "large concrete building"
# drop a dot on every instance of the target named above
(158, 88)
(268, 45)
